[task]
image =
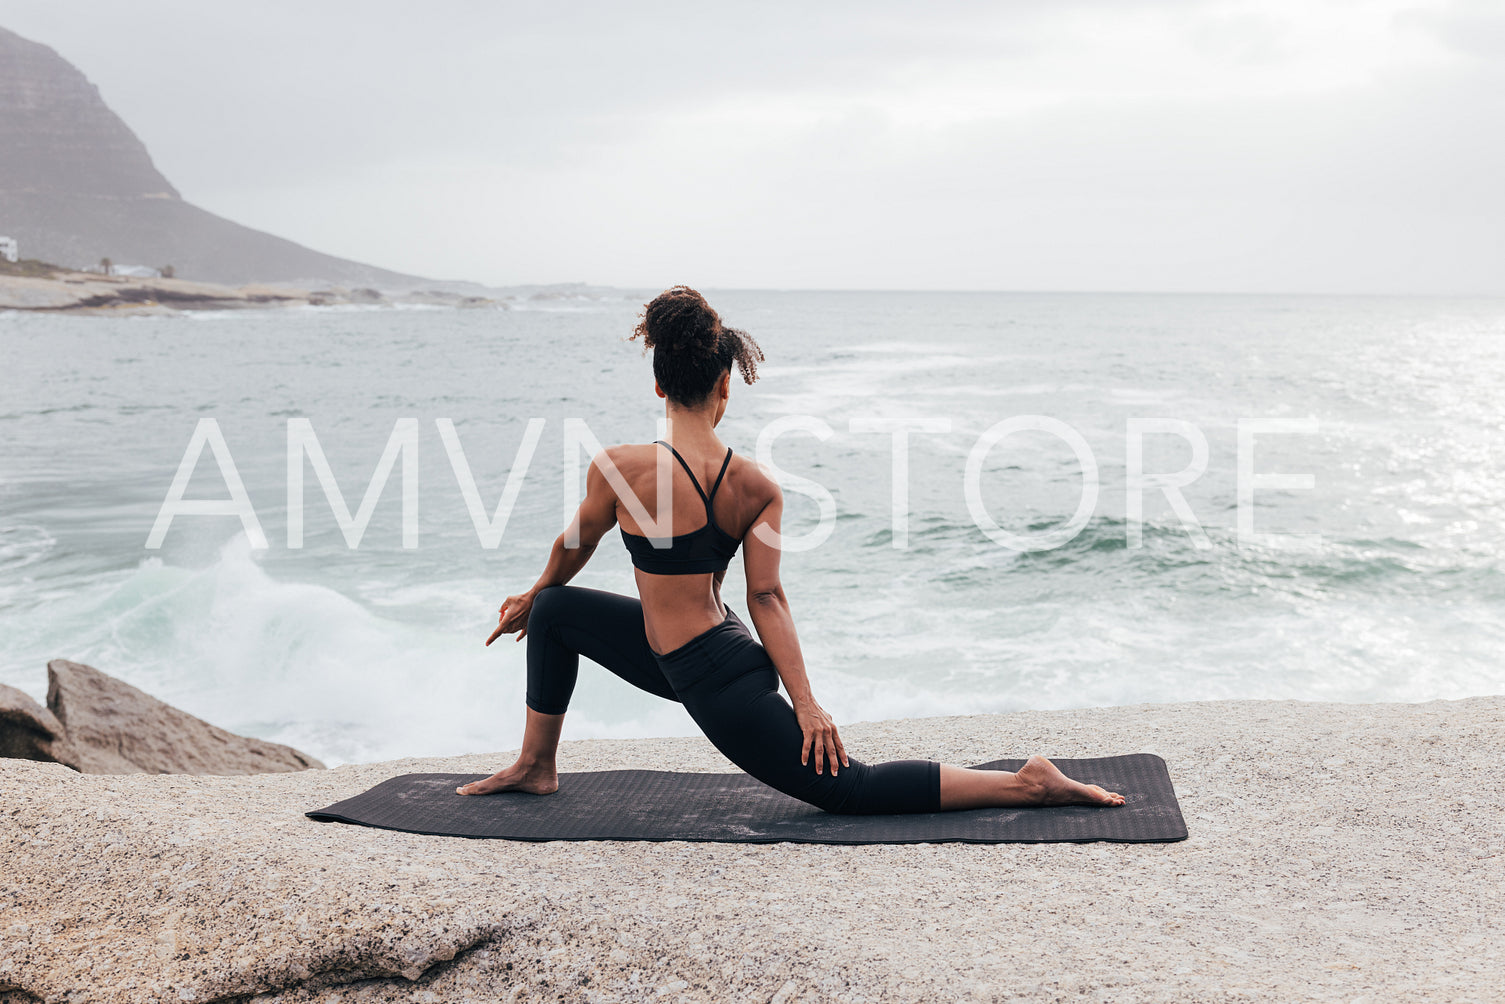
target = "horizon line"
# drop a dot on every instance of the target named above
(994, 292)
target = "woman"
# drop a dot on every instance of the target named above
(679, 640)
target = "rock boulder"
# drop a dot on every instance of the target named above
(113, 728)
(29, 731)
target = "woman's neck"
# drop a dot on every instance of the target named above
(690, 425)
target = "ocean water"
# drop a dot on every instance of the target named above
(1378, 579)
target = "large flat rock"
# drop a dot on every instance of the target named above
(1337, 852)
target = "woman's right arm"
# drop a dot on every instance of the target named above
(769, 609)
(597, 514)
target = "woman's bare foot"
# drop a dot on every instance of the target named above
(534, 779)
(1051, 787)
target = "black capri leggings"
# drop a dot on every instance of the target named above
(726, 682)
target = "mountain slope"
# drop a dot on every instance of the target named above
(76, 185)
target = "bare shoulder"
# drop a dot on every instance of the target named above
(625, 457)
(754, 482)
(624, 467)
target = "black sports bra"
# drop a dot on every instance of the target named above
(707, 549)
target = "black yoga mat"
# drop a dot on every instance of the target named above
(734, 808)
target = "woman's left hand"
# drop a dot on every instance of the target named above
(821, 738)
(513, 616)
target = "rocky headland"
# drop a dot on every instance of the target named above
(77, 185)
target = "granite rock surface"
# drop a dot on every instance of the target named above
(1337, 853)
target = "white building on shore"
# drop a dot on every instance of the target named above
(9, 249)
(136, 271)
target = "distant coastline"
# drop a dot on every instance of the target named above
(38, 286)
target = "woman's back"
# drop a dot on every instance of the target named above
(707, 548)
(714, 496)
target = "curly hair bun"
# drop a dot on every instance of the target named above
(679, 321)
(691, 347)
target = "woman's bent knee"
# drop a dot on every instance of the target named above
(547, 605)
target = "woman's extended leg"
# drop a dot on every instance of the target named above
(752, 724)
(731, 689)
(565, 623)
(729, 686)
(1038, 782)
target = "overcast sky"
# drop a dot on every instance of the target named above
(1303, 146)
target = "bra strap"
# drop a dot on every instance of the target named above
(721, 475)
(693, 480)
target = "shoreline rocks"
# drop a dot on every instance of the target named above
(29, 731)
(89, 293)
(47, 289)
(39, 288)
(96, 724)
(1337, 853)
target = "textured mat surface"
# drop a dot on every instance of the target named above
(734, 808)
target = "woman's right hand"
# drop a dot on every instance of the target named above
(513, 616)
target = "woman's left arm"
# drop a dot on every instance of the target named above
(597, 514)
